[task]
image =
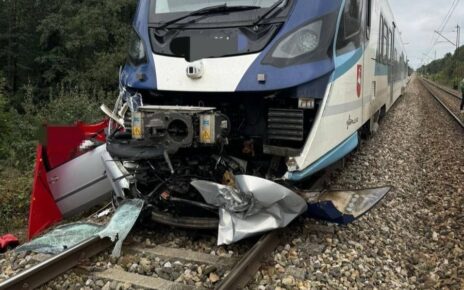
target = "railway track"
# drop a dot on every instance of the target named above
(449, 99)
(238, 272)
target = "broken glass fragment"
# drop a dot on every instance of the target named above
(122, 223)
(61, 238)
(68, 236)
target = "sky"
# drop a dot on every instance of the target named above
(418, 19)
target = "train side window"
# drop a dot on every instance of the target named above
(368, 18)
(349, 34)
(380, 44)
(385, 42)
(390, 45)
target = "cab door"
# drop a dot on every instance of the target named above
(369, 61)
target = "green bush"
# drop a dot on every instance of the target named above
(5, 122)
(15, 188)
(19, 139)
(66, 107)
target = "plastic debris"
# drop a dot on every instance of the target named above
(343, 206)
(8, 242)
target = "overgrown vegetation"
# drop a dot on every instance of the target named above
(448, 71)
(59, 61)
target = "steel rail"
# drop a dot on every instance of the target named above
(446, 90)
(460, 122)
(57, 265)
(248, 265)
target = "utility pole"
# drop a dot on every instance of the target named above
(458, 36)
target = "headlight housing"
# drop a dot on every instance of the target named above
(137, 53)
(302, 41)
(307, 43)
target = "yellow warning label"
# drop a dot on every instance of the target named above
(137, 133)
(206, 136)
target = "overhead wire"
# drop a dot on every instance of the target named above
(441, 28)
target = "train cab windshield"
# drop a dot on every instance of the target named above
(173, 6)
(214, 28)
(164, 11)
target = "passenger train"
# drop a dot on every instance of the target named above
(278, 89)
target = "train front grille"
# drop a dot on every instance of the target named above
(285, 125)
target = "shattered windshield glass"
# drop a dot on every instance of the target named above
(61, 238)
(67, 236)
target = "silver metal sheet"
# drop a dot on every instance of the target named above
(119, 182)
(80, 183)
(272, 206)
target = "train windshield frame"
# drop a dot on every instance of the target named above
(161, 11)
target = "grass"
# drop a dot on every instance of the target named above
(18, 145)
(15, 189)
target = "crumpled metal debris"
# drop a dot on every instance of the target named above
(117, 178)
(134, 101)
(223, 196)
(264, 206)
(68, 236)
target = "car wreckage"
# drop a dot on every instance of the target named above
(220, 120)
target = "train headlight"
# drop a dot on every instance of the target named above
(309, 42)
(137, 54)
(303, 41)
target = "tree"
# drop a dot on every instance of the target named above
(84, 43)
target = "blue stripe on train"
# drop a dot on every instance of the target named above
(330, 158)
(345, 62)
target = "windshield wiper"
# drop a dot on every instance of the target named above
(271, 9)
(210, 10)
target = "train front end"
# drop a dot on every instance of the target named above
(218, 89)
(218, 105)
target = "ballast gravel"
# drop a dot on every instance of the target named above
(450, 101)
(414, 238)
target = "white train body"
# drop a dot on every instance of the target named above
(278, 89)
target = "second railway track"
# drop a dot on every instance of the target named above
(448, 98)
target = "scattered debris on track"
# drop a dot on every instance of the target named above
(411, 241)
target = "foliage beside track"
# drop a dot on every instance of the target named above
(448, 71)
(19, 137)
(59, 60)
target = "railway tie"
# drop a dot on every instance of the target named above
(241, 271)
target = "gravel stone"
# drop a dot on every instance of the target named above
(413, 238)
